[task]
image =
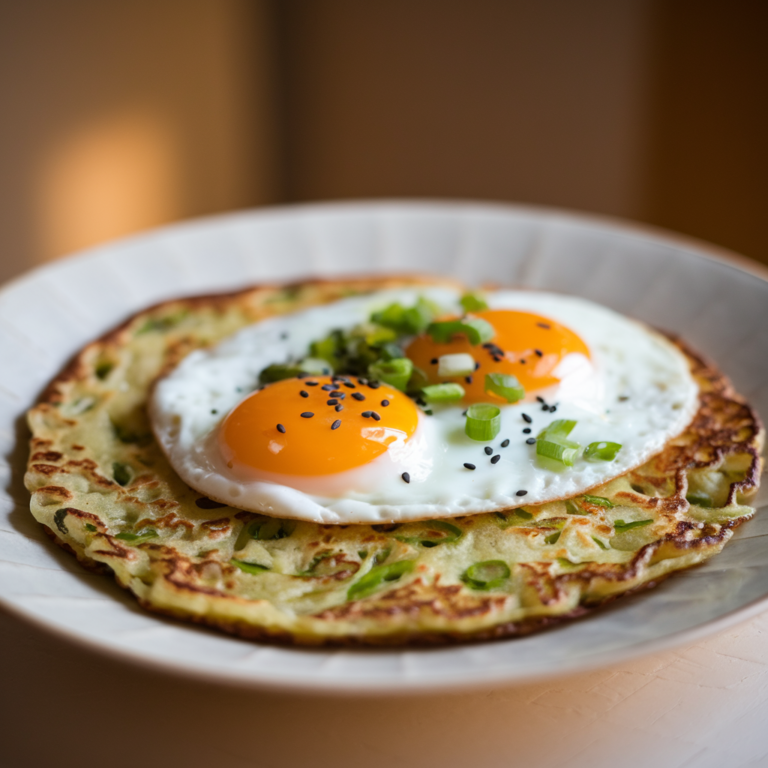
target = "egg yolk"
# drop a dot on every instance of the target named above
(293, 427)
(526, 346)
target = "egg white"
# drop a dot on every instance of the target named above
(637, 390)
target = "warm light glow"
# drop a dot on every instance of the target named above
(108, 179)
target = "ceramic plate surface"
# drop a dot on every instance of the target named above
(671, 283)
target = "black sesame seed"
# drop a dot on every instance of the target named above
(544, 407)
(336, 424)
(375, 416)
(526, 418)
(362, 381)
(349, 385)
(505, 444)
(495, 459)
(464, 412)
(339, 408)
(488, 450)
(358, 396)
(530, 441)
(540, 398)
(521, 493)
(477, 365)
(214, 411)
(310, 383)
(307, 415)
(328, 387)
(433, 361)
(337, 393)
(538, 353)
(552, 408)
(384, 403)
(332, 401)
(366, 414)
(304, 393)
(468, 465)
(544, 326)
(428, 412)
(281, 429)
(406, 477)
(420, 402)
(527, 431)
(468, 379)
(374, 384)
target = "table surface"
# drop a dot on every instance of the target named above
(702, 706)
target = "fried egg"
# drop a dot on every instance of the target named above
(346, 450)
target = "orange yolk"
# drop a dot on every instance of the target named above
(527, 346)
(250, 435)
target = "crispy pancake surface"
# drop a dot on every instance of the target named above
(103, 489)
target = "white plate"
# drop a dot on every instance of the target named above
(669, 282)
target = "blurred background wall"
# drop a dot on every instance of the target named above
(118, 116)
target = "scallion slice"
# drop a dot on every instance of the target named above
(602, 451)
(599, 501)
(431, 533)
(505, 386)
(393, 372)
(558, 429)
(273, 528)
(477, 330)
(315, 366)
(553, 537)
(406, 321)
(254, 569)
(620, 526)
(564, 452)
(483, 421)
(599, 543)
(699, 499)
(443, 393)
(473, 302)
(488, 574)
(460, 364)
(136, 538)
(377, 576)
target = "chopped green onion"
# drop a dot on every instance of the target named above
(483, 421)
(273, 528)
(59, 517)
(461, 364)
(393, 372)
(136, 538)
(443, 393)
(328, 564)
(602, 451)
(406, 321)
(434, 532)
(477, 330)
(559, 429)
(328, 348)
(563, 452)
(376, 335)
(505, 386)
(90, 527)
(699, 499)
(278, 372)
(473, 302)
(600, 501)
(599, 543)
(391, 351)
(253, 568)
(381, 555)
(553, 537)
(122, 473)
(103, 368)
(377, 576)
(620, 526)
(516, 517)
(315, 366)
(572, 508)
(487, 574)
